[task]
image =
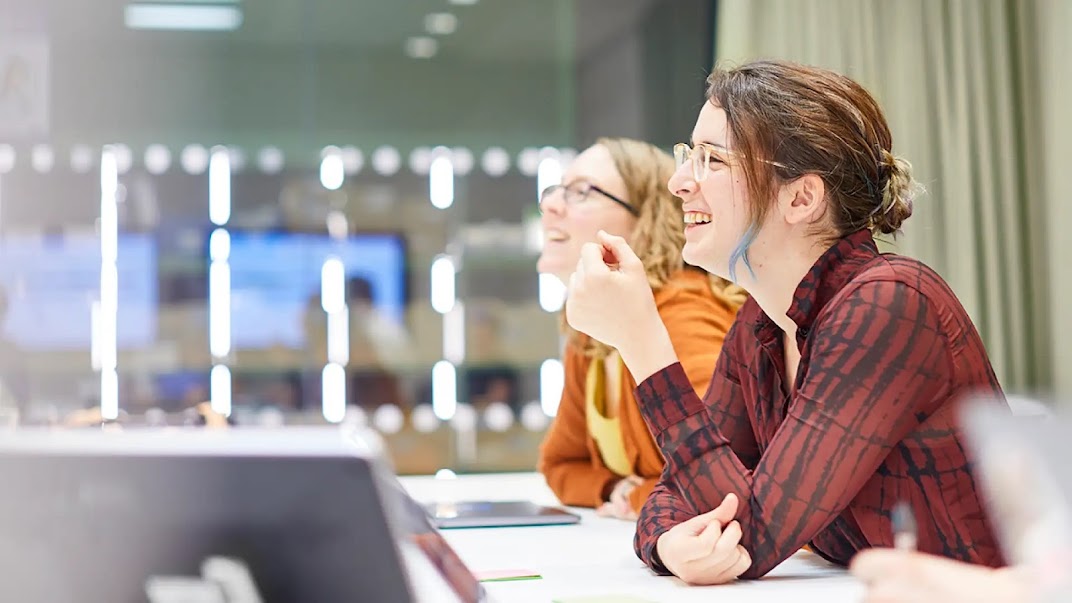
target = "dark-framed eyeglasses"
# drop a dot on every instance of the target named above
(578, 192)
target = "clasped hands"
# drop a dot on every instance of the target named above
(706, 549)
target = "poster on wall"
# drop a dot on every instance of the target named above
(24, 86)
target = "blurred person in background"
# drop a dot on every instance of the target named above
(598, 451)
(487, 375)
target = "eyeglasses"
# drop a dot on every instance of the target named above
(578, 192)
(703, 156)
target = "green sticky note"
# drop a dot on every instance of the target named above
(508, 575)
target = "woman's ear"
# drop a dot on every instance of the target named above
(803, 200)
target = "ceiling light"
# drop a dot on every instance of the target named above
(386, 160)
(495, 161)
(81, 158)
(42, 158)
(421, 47)
(440, 24)
(270, 160)
(157, 159)
(463, 2)
(188, 17)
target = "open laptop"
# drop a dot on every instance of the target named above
(1021, 463)
(234, 516)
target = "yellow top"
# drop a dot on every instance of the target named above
(606, 432)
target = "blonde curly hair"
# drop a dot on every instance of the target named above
(659, 233)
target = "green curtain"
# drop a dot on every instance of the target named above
(966, 94)
(1054, 24)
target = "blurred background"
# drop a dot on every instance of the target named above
(315, 211)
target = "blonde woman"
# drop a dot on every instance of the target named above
(598, 451)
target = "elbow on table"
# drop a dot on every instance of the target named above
(761, 565)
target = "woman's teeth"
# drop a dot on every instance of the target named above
(695, 217)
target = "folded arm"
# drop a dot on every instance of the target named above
(875, 359)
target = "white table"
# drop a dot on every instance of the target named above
(595, 557)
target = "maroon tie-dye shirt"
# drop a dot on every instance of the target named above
(886, 352)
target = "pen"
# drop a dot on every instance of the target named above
(904, 527)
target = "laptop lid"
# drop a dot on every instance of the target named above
(229, 516)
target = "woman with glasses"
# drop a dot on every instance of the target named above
(598, 452)
(833, 399)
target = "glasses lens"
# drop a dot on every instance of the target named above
(681, 154)
(547, 193)
(700, 158)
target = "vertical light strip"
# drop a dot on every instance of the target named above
(552, 378)
(552, 293)
(220, 388)
(219, 279)
(332, 285)
(333, 301)
(107, 316)
(442, 286)
(339, 337)
(441, 180)
(548, 173)
(332, 168)
(219, 245)
(219, 186)
(454, 334)
(444, 390)
(219, 309)
(333, 392)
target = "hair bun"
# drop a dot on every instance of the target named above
(898, 193)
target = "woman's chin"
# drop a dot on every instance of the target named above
(551, 267)
(695, 257)
(691, 255)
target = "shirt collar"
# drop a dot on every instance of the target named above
(832, 271)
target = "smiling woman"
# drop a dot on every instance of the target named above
(834, 394)
(598, 452)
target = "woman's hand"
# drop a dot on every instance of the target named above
(619, 506)
(706, 549)
(611, 301)
(893, 576)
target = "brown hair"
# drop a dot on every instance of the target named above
(814, 121)
(659, 233)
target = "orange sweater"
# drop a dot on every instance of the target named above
(569, 458)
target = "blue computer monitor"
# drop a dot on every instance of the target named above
(275, 281)
(49, 283)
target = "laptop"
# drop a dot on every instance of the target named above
(1021, 463)
(497, 514)
(239, 516)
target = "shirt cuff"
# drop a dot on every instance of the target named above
(654, 562)
(667, 398)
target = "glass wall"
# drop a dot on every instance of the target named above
(297, 212)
